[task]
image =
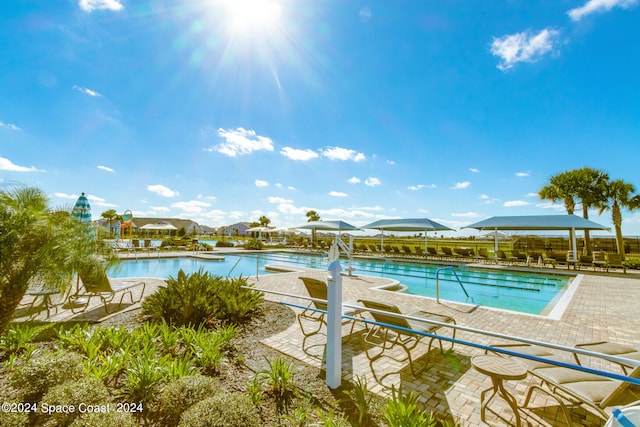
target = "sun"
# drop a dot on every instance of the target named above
(253, 14)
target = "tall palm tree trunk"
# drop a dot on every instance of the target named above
(10, 298)
(616, 218)
(587, 236)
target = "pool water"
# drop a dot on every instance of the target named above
(531, 293)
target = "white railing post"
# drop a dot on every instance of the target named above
(334, 326)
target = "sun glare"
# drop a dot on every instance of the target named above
(253, 14)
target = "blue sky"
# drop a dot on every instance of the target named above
(222, 111)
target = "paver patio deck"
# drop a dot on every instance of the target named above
(603, 308)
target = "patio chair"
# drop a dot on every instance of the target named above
(96, 283)
(612, 349)
(592, 391)
(317, 289)
(564, 384)
(391, 331)
(431, 251)
(615, 261)
(599, 260)
(483, 254)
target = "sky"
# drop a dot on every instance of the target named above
(223, 111)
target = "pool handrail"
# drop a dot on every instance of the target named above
(451, 268)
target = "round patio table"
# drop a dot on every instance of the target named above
(498, 369)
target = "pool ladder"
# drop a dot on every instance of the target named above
(238, 262)
(452, 269)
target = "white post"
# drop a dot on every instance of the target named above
(334, 326)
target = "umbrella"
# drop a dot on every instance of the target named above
(160, 226)
(82, 209)
(407, 224)
(538, 222)
(261, 230)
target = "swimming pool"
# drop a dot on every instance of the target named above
(524, 292)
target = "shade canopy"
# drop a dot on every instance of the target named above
(334, 225)
(537, 222)
(159, 226)
(261, 230)
(407, 224)
(82, 209)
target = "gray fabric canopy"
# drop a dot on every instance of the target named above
(334, 225)
(406, 224)
(538, 222)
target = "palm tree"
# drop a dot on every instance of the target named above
(37, 244)
(618, 194)
(562, 187)
(590, 191)
(313, 216)
(111, 216)
(264, 221)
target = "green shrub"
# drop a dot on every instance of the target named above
(179, 395)
(89, 391)
(633, 263)
(199, 298)
(186, 300)
(222, 410)
(279, 378)
(34, 378)
(224, 244)
(108, 419)
(253, 244)
(142, 378)
(18, 338)
(402, 411)
(14, 419)
(234, 303)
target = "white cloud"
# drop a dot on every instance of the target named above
(599, 6)
(416, 187)
(241, 141)
(86, 91)
(160, 208)
(261, 183)
(105, 168)
(354, 180)
(162, 190)
(9, 126)
(461, 185)
(487, 200)
(91, 5)
(391, 162)
(372, 182)
(522, 174)
(523, 47)
(466, 215)
(297, 154)
(337, 194)
(339, 153)
(474, 170)
(8, 165)
(278, 200)
(192, 206)
(550, 205)
(515, 203)
(66, 196)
